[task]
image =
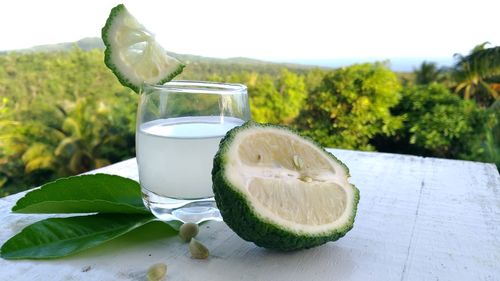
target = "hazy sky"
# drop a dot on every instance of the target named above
(272, 30)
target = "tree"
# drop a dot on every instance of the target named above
(62, 113)
(440, 124)
(489, 147)
(427, 73)
(273, 99)
(277, 101)
(88, 134)
(472, 72)
(350, 106)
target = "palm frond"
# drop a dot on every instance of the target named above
(489, 89)
(71, 126)
(38, 156)
(480, 47)
(67, 146)
(467, 91)
(483, 62)
(493, 79)
(39, 163)
(460, 87)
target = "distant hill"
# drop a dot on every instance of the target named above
(91, 43)
(86, 44)
(396, 64)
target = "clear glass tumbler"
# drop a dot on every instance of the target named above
(179, 127)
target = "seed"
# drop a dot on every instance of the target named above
(198, 250)
(297, 161)
(188, 231)
(306, 179)
(157, 272)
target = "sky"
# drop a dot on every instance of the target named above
(269, 30)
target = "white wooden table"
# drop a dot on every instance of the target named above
(418, 219)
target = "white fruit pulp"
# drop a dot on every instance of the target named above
(175, 155)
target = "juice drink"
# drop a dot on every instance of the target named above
(175, 155)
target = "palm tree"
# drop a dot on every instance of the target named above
(78, 151)
(474, 73)
(73, 146)
(427, 73)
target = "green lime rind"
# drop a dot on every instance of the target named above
(242, 218)
(122, 77)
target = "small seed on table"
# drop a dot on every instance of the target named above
(198, 250)
(188, 231)
(306, 179)
(297, 161)
(157, 272)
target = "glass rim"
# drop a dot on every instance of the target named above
(196, 87)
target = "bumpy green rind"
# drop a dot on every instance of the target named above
(239, 215)
(109, 62)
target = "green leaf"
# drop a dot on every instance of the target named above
(99, 193)
(59, 237)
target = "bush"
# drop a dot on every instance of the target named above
(352, 105)
(440, 124)
(488, 148)
(277, 101)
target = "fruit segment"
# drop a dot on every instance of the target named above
(280, 190)
(133, 54)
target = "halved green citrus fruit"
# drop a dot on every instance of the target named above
(280, 190)
(133, 54)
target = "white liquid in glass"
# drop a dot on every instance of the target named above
(175, 155)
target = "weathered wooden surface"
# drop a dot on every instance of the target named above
(418, 219)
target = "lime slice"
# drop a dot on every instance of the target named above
(133, 54)
(280, 190)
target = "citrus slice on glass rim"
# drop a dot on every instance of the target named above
(133, 54)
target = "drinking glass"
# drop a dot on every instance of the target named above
(179, 127)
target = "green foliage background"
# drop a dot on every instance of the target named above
(63, 113)
(352, 105)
